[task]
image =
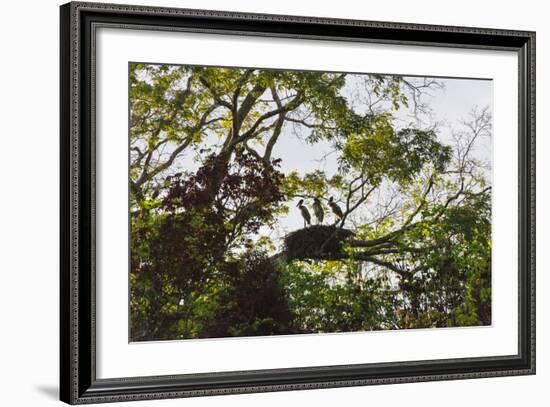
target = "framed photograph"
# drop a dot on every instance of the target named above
(255, 203)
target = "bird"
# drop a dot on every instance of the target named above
(318, 210)
(335, 208)
(305, 213)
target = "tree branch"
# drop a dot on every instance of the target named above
(278, 126)
(214, 93)
(251, 132)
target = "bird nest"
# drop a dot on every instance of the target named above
(316, 242)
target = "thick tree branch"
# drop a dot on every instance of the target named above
(247, 104)
(278, 126)
(251, 132)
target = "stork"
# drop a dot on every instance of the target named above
(305, 213)
(318, 210)
(335, 208)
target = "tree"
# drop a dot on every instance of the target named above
(200, 266)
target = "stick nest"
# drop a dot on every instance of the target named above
(316, 242)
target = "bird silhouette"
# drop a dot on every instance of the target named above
(335, 208)
(305, 213)
(318, 210)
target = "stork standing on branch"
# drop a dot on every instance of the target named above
(305, 213)
(335, 208)
(318, 210)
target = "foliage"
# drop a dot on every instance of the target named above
(333, 297)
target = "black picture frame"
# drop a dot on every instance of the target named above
(78, 382)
